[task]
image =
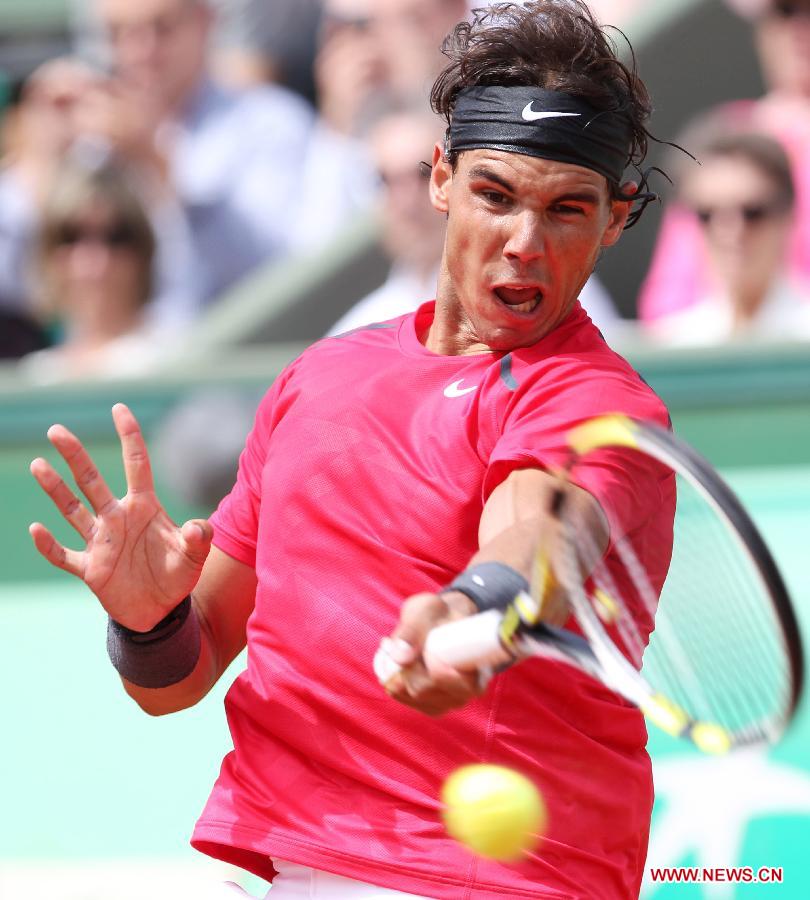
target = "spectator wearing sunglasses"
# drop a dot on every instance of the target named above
(43, 132)
(94, 270)
(742, 201)
(679, 273)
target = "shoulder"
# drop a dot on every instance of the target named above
(355, 329)
(579, 372)
(341, 349)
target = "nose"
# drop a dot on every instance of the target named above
(136, 44)
(90, 259)
(526, 239)
(728, 228)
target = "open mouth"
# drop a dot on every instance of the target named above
(519, 299)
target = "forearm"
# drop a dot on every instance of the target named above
(521, 525)
(524, 514)
(515, 546)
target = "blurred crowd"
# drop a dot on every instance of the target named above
(186, 143)
(732, 259)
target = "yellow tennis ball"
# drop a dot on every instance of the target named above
(494, 811)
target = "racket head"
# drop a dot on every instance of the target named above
(723, 666)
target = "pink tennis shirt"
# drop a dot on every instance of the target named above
(363, 482)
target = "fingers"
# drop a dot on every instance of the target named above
(419, 614)
(434, 694)
(75, 512)
(57, 555)
(400, 666)
(137, 468)
(82, 467)
(197, 535)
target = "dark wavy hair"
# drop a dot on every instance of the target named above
(551, 44)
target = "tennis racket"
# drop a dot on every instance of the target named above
(723, 666)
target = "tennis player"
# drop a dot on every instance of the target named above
(397, 477)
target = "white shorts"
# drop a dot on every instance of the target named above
(302, 883)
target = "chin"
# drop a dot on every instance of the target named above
(507, 339)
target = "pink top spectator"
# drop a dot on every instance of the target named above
(678, 274)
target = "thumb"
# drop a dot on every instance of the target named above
(197, 535)
(419, 614)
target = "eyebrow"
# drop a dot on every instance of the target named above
(489, 175)
(582, 196)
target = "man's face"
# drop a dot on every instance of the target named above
(783, 41)
(745, 220)
(413, 232)
(51, 100)
(410, 34)
(523, 235)
(158, 45)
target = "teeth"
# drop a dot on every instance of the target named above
(510, 296)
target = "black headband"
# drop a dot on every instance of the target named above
(548, 124)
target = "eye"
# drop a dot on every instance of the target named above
(567, 210)
(496, 198)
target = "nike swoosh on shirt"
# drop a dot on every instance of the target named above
(530, 115)
(455, 390)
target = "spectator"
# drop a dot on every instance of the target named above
(411, 33)
(370, 51)
(412, 232)
(94, 252)
(742, 199)
(678, 275)
(46, 129)
(40, 130)
(268, 40)
(232, 158)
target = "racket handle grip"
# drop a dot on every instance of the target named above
(468, 643)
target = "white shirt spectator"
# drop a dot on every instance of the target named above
(783, 316)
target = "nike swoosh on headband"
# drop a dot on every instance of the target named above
(530, 115)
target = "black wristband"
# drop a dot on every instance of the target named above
(166, 627)
(161, 656)
(490, 585)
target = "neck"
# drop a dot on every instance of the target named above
(746, 301)
(96, 330)
(450, 332)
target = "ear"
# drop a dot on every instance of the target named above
(619, 211)
(441, 177)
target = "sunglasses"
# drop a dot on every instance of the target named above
(114, 236)
(789, 9)
(750, 213)
(409, 176)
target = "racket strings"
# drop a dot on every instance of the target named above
(622, 617)
(717, 592)
(717, 647)
(673, 675)
(675, 679)
(669, 672)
